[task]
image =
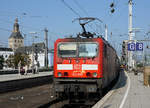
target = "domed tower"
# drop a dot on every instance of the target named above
(16, 40)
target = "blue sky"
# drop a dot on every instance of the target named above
(35, 15)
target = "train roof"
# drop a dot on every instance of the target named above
(79, 38)
(85, 39)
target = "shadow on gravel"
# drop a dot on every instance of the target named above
(47, 105)
(122, 80)
(52, 103)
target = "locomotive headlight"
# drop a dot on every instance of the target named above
(59, 74)
(94, 74)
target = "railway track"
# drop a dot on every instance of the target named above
(65, 103)
(26, 98)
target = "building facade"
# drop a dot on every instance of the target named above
(6, 52)
(36, 54)
(16, 39)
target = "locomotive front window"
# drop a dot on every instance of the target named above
(87, 49)
(77, 49)
(67, 50)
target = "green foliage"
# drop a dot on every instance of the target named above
(1, 62)
(10, 61)
(13, 60)
(139, 65)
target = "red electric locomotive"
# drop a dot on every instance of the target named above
(83, 66)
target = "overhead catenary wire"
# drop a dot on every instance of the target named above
(68, 6)
(5, 29)
(116, 5)
(120, 8)
(81, 8)
(23, 26)
(22, 31)
(63, 1)
(76, 13)
(84, 11)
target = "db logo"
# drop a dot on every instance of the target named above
(76, 66)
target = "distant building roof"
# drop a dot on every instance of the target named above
(16, 35)
(5, 49)
(37, 47)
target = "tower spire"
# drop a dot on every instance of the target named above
(16, 26)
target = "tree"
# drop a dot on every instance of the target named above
(13, 60)
(1, 62)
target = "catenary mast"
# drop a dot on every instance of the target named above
(130, 33)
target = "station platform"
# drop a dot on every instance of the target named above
(11, 77)
(129, 92)
(12, 82)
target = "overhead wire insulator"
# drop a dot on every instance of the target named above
(112, 10)
(112, 5)
(111, 34)
(147, 46)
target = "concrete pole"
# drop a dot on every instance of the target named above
(33, 50)
(130, 33)
(46, 47)
(24, 44)
(32, 54)
(106, 33)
